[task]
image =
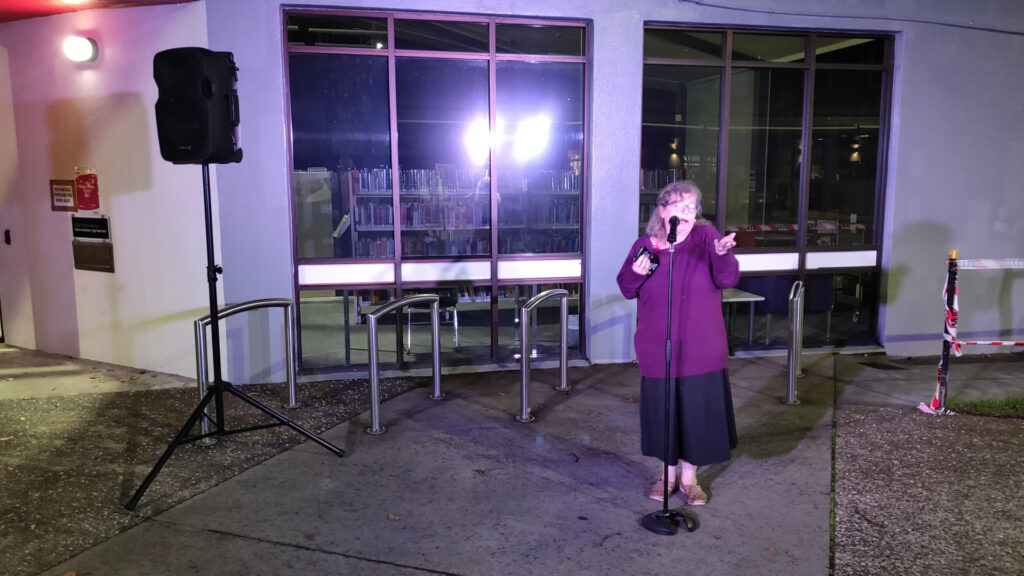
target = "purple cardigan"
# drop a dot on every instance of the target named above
(698, 330)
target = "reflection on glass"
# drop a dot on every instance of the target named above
(545, 322)
(334, 30)
(539, 141)
(844, 159)
(682, 44)
(446, 36)
(849, 50)
(679, 138)
(332, 328)
(443, 147)
(341, 156)
(765, 111)
(464, 325)
(533, 39)
(768, 47)
(840, 309)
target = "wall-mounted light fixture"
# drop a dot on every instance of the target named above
(80, 49)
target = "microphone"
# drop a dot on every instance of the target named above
(673, 222)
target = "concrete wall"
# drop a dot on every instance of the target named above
(57, 115)
(953, 171)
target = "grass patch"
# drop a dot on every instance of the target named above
(1012, 407)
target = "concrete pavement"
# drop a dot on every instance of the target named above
(457, 486)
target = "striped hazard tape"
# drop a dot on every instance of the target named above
(820, 227)
(993, 342)
(991, 264)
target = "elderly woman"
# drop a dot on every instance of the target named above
(702, 426)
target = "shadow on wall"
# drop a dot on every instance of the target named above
(8, 164)
(111, 135)
(912, 284)
(620, 325)
(1005, 303)
(104, 134)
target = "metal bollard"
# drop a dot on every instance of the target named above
(796, 339)
(376, 427)
(222, 313)
(525, 347)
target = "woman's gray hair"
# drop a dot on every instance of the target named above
(672, 193)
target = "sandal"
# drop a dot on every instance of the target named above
(694, 495)
(658, 491)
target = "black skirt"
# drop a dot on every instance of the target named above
(702, 425)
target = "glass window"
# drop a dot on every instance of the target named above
(849, 50)
(406, 156)
(332, 30)
(763, 191)
(443, 149)
(844, 158)
(341, 156)
(768, 47)
(778, 196)
(679, 139)
(539, 157)
(464, 325)
(545, 321)
(534, 39)
(682, 44)
(332, 328)
(441, 35)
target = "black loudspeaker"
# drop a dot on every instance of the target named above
(197, 107)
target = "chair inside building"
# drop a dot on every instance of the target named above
(447, 307)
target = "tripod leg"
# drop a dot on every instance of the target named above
(284, 420)
(179, 439)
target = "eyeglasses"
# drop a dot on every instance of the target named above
(684, 206)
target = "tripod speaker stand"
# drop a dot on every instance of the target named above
(215, 392)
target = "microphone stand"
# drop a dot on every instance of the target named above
(665, 521)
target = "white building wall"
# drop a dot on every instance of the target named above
(99, 115)
(953, 171)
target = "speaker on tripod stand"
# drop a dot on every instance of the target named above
(197, 110)
(197, 123)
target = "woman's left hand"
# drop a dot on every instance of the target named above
(724, 244)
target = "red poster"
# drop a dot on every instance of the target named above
(87, 191)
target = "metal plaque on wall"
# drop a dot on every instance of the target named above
(95, 256)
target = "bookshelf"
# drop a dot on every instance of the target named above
(541, 214)
(444, 211)
(373, 218)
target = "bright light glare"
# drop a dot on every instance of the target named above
(478, 141)
(532, 137)
(79, 49)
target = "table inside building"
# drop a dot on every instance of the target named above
(732, 296)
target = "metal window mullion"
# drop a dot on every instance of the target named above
(492, 105)
(396, 232)
(806, 141)
(393, 121)
(882, 172)
(723, 133)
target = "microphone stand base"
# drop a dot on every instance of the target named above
(666, 522)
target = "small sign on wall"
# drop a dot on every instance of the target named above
(91, 243)
(62, 196)
(95, 256)
(87, 189)
(83, 228)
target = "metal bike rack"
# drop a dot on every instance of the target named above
(371, 320)
(222, 313)
(796, 339)
(524, 352)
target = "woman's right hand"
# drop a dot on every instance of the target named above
(642, 265)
